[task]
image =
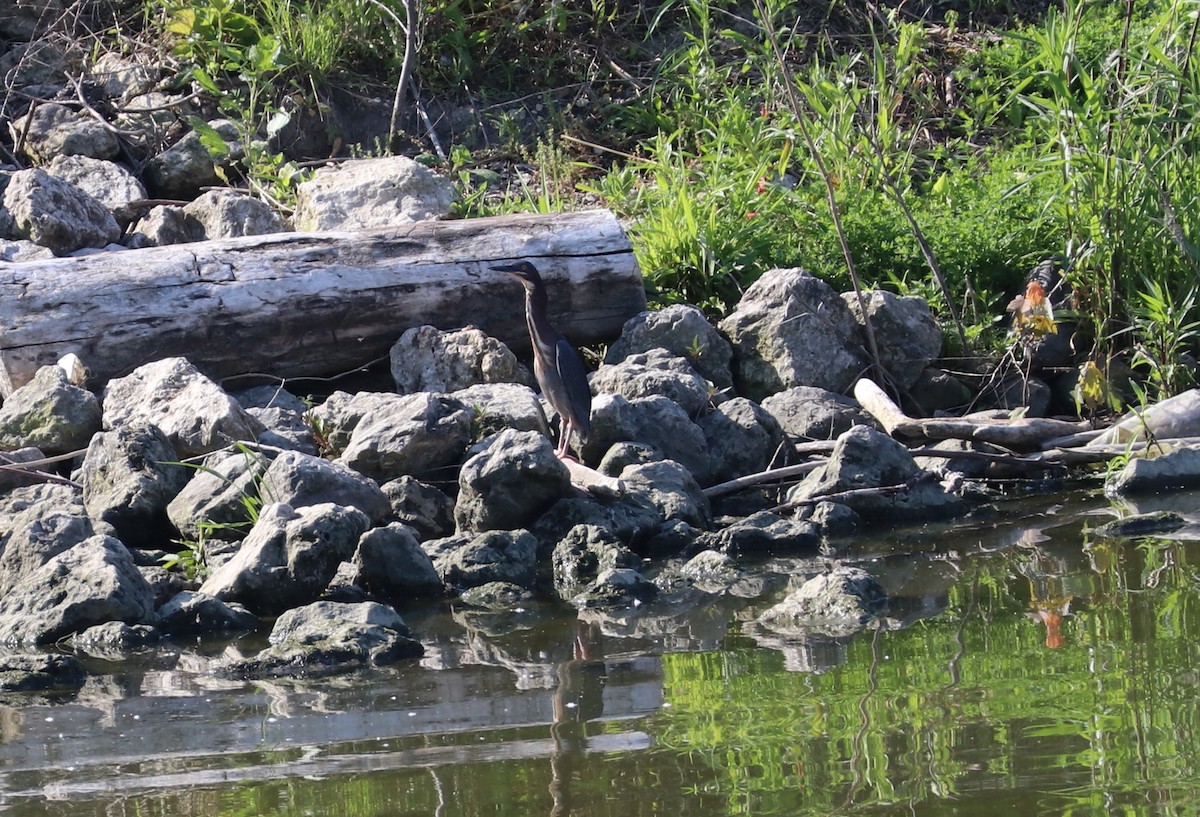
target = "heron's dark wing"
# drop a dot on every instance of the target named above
(575, 387)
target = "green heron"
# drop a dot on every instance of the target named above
(556, 364)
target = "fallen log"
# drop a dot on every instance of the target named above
(311, 304)
(1025, 434)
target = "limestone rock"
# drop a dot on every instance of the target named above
(906, 334)
(792, 329)
(225, 213)
(389, 563)
(427, 359)
(497, 406)
(289, 557)
(509, 482)
(129, 477)
(423, 508)
(40, 672)
(466, 560)
(743, 438)
(838, 603)
(182, 169)
(49, 412)
(282, 415)
(55, 214)
(55, 130)
(163, 225)
(107, 182)
(192, 410)
(408, 434)
(655, 373)
(582, 555)
(90, 583)
(36, 524)
(327, 637)
(670, 488)
(385, 192)
(215, 503)
(192, 613)
(811, 413)
(300, 480)
(654, 421)
(866, 458)
(683, 331)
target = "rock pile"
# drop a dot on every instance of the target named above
(330, 516)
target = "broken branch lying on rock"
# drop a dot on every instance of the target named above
(1024, 434)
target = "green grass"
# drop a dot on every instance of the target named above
(1068, 130)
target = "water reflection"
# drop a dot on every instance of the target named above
(1023, 665)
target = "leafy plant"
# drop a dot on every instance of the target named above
(1164, 336)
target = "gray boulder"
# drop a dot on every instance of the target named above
(683, 331)
(50, 413)
(632, 519)
(116, 640)
(117, 76)
(328, 637)
(616, 587)
(582, 555)
(151, 117)
(129, 477)
(385, 192)
(226, 213)
(509, 482)
(466, 561)
(654, 421)
(866, 458)
(409, 434)
(289, 557)
(1179, 468)
(764, 533)
(937, 390)
(282, 415)
(36, 524)
(55, 130)
(218, 501)
(41, 672)
(424, 508)
(838, 603)
(161, 226)
(300, 480)
(192, 613)
(336, 418)
(90, 583)
(497, 406)
(670, 488)
(906, 334)
(182, 169)
(654, 373)
(192, 410)
(811, 413)
(791, 329)
(427, 359)
(16, 479)
(107, 182)
(389, 563)
(13, 251)
(743, 438)
(55, 214)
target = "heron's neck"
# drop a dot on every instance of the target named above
(537, 306)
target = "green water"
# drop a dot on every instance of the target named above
(1026, 667)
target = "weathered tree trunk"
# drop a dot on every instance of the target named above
(311, 304)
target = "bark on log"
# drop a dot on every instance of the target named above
(311, 304)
